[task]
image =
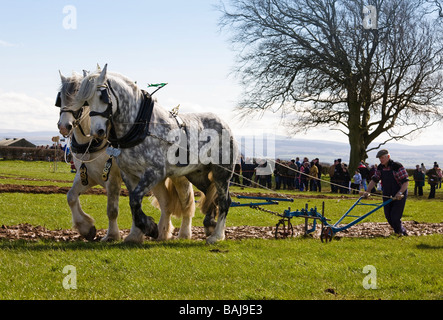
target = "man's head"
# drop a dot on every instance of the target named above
(384, 156)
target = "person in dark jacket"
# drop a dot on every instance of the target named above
(419, 180)
(347, 179)
(304, 173)
(291, 174)
(432, 180)
(320, 168)
(364, 172)
(278, 174)
(395, 181)
(247, 168)
(339, 176)
(331, 172)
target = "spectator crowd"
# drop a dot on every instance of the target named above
(306, 175)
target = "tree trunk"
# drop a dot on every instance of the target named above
(356, 132)
(357, 153)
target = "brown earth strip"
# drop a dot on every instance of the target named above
(15, 188)
(28, 232)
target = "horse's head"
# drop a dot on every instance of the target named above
(65, 99)
(95, 90)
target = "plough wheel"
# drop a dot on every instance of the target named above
(283, 229)
(326, 234)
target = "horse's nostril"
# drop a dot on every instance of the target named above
(69, 127)
(101, 133)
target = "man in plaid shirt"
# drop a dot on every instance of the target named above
(395, 181)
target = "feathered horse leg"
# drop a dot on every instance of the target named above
(113, 187)
(141, 223)
(81, 221)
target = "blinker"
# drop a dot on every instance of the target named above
(104, 96)
(58, 100)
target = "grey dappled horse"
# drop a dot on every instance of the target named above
(91, 153)
(144, 142)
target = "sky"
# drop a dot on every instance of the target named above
(173, 41)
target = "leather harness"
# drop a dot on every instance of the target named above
(139, 130)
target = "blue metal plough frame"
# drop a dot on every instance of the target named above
(284, 226)
(328, 230)
(268, 200)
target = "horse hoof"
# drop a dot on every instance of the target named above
(110, 238)
(153, 232)
(91, 234)
(187, 235)
(150, 228)
(165, 236)
(211, 240)
(134, 239)
(214, 238)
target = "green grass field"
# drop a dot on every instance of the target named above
(257, 269)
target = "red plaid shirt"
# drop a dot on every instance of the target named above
(400, 173)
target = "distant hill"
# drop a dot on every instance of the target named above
(328, 151)
(287, 149)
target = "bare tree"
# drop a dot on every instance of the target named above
(365, 68)
(436, 6)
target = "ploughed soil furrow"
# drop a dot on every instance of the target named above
(363, 230)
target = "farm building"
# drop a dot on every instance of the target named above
(16, 142)
(22, 149)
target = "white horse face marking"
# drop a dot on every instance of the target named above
(66, 123)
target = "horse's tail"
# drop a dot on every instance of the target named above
(176, 205)
(208, 201)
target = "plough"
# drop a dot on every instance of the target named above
(284, 226)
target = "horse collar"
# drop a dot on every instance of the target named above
(139, 130)
(95, 146)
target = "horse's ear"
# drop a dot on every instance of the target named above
(102, 77)
(62, 77)
(85, 73)
(98, 68)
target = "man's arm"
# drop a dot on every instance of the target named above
(401, 192)
(398, 196)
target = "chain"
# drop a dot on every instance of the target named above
(164, 140)
(268, 211)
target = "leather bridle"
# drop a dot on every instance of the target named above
(106, 98)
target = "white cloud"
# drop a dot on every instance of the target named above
(18, 111)
(7, 44)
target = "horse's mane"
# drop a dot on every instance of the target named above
(70, 86)
(89, 86)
